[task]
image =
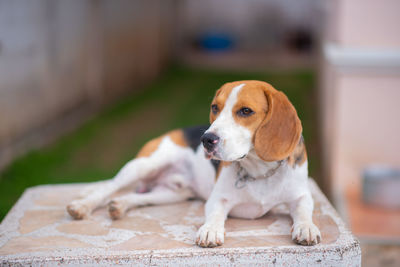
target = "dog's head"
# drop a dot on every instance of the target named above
(247, 115)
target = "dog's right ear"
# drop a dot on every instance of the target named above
(280, 131)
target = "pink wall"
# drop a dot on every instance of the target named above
(360, 89)
(366, 23)
(367, 125)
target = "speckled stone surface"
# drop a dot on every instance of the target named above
(39, 232)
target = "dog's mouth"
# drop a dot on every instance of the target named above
(214, 155)
(210, 155)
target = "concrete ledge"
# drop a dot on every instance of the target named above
(38, 231)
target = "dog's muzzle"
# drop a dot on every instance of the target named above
(210, 141)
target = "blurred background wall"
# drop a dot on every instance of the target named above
(60, 61)
(360, 86)
(360, 82)
(261, 34)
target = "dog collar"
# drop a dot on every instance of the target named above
(244, 177)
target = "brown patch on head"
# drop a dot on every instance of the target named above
(299, 154)
(251, 96)
(176, 136)
(221, 165)
(220, 98)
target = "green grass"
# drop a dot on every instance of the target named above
(181, 97)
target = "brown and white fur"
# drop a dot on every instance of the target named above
(254, 129)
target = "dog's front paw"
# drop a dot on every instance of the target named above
(209, 236)
(78, 210)
(306, 234)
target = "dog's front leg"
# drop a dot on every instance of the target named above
(304, 231)
(212, 233)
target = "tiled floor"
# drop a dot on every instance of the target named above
(371, 222)
(378, 230)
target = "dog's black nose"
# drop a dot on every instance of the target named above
(209, 141)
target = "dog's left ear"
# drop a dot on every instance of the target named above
(280, 131)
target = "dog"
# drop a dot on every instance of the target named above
(250, 158)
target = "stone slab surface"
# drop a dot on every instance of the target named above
(39, 232)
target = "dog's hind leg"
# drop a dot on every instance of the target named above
(90, 188)
(159, 195)
(134, 171)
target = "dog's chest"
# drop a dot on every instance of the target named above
(285, 185)
(255, 198)
(264, 191)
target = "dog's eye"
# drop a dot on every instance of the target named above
(245, 112)
(214, 109)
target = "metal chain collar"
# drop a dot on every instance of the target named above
(244, 177)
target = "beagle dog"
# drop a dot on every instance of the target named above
(251, 158)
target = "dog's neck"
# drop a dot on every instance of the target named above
(255, 166)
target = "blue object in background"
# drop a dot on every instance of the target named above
(213, 41)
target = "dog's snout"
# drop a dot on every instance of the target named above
(209, 141)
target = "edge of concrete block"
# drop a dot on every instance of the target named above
(346, 249)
